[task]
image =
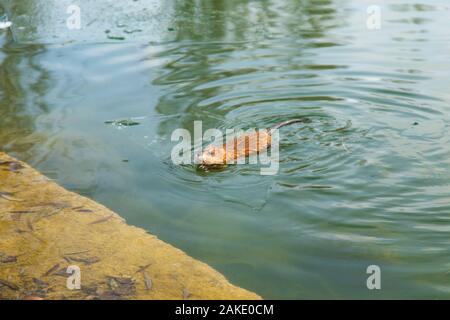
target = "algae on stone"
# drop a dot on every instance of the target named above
(44, 229)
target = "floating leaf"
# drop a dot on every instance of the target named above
(132, 31)
(116, 37)
(123, 122)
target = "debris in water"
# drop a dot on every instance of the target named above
(30, 225)
(77, 252)
(102, 219)
(186, 293)
(59, 205)
(13, 166)
(12, 286)
(9, 196)
(61, 272)
(51, 270)
(347, 126)
(415, 123)
(91, 291)
(143, 268)
(91, 22)
(345, 147)
(39, 283)
(121, 286)
(87, 261)
(21, 211)
(123, 122)
(116, 37)
(132, 31)
(7, 259)
(53, 212)
(147, 281)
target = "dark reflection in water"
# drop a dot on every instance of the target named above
(365, 182)
(21, 96)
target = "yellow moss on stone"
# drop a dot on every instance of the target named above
(45, 228)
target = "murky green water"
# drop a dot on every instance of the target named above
(366, 182)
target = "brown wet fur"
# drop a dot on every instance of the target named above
(216, 157)
(238, 147)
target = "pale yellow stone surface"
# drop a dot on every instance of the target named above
(43, 227)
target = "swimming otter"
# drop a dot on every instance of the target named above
(244, 146)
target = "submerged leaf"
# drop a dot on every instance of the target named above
(12, 165)
(51, 270)
(7, 259)
(102, 219)
(186, 293)
(87, 261)
(8, 196)
(147, 281)
(121, 286)
(8, 284)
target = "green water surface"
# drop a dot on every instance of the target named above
(366, 182)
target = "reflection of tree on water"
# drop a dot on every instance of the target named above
(237, 20)
(231, 33)
(23, 84)
(228, 32)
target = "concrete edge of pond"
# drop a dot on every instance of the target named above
(44, 229)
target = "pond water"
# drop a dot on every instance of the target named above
(366, 182)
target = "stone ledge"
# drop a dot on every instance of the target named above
(44, 229)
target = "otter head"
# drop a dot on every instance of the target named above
(212, 155)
